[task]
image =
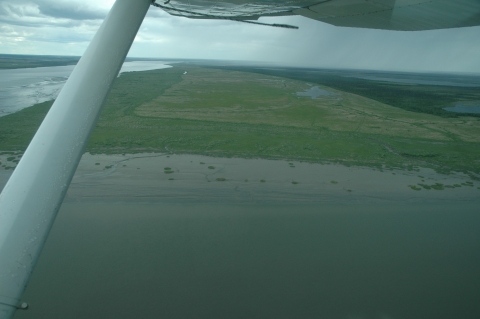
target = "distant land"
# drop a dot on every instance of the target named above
(19, 61)
(218, 111)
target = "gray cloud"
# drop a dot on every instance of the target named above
(71, 10)
(10, 10)
(47, 13)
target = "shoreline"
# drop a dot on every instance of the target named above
(197, 178)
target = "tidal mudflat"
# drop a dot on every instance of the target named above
(196, 178)
(24, 87)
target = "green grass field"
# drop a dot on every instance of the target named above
(429, 99)
(229, 113)
(11, 61)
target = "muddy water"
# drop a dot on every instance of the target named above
(129, 242)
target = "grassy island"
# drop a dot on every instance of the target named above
(227, 113)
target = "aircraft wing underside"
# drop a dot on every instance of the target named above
(404, 15)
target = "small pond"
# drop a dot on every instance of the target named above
(472, 108)
(315, 92)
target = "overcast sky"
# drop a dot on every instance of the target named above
(64, 27)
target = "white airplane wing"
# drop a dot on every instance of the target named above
(402, 15)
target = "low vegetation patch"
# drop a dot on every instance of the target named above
(438, 186)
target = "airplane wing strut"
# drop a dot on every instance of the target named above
(32, 197)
